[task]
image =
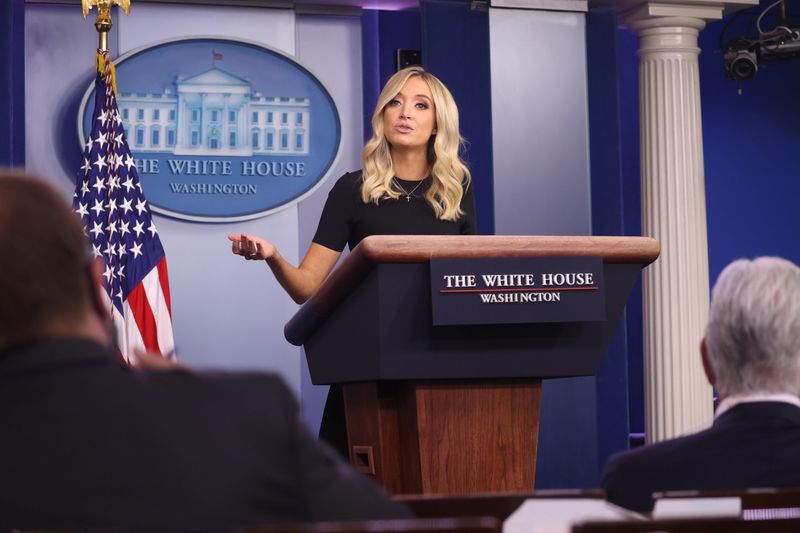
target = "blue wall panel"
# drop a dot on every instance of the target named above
(751, 152)
(607, 219)
(455, 47)
(628, 83)
(12, 83)
(382, 34)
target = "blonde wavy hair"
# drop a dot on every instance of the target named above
(449, 173)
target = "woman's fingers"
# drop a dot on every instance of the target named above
(247, 247)
(251, 248)
(241, 244)
(237, 243)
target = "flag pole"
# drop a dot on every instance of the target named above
(103, 23)
(123, 238)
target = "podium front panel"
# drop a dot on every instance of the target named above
(383, 331)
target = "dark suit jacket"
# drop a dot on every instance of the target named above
(751, 445)
(86, 442)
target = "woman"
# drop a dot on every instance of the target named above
(412, 182)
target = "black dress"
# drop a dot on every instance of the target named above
(347, 220)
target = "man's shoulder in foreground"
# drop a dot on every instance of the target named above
(752, 445)
(221, 447)
(297, 465)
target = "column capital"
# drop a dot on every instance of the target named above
(666, 24)
(632, 11)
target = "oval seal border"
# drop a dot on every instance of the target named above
(321, 176)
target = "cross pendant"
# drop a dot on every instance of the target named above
(408, 198)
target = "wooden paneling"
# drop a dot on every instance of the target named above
(422, 248)
(477, 437)
(381, 420)
(445, 437)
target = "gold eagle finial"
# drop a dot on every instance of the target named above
(104, 6)
(103, 22)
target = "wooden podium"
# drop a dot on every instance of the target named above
(449, 409)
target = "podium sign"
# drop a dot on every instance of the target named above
(517, 290)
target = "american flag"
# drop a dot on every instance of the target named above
(119, 224)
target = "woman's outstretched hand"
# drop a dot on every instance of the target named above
(251, 247)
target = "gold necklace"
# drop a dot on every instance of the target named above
(408, 194)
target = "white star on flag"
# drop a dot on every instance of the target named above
(97, 229)
(138, 228)
(108, 273)
(100, 163)
(136, 250)
(98, 207)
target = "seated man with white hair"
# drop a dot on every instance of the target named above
(751, 354)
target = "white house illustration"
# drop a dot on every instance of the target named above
(215, 113)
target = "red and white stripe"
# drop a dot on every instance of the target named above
(146, 323)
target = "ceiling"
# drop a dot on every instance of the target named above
(592, 4)
(393, 5)
(353, 6)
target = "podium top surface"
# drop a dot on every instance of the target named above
(422, 248)
(378, 249)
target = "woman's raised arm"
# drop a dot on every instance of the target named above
(299, 282)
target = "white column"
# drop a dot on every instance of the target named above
(676, 289)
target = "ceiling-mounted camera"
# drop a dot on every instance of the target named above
(741, 65)
(743, 55)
